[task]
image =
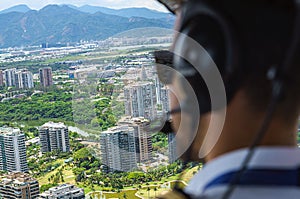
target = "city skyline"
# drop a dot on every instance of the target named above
(84, 157)
(116, 4)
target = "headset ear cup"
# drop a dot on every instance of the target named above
(207, 34)
(212, 32)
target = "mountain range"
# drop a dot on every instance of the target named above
(21, 26)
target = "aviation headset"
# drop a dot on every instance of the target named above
(258, 39)
(264, 36)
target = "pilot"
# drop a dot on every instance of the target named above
(233, 70)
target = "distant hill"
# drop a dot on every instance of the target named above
(126, 12)
(54, 24)
(19, 8)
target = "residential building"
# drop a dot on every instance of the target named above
(117, 147)
(172, 153)
(158, 86)
(46, 77)
(24, 79)
(143, 142)
(165, 98)
(18, 79)
(64, 191)
(143, 74)
(12, 150)
(1, 78)
(10, 77)
(162, 95)
(18, 185)
(54, 137)
(140, 100)
(27, 78)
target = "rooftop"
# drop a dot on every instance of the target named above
(118, 129)
(9, 131)
(133, 120)
(138, 84)
(62, 189)
(54, 125)
(15, 178)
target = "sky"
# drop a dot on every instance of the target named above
(117, 4)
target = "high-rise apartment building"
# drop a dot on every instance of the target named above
(117, 147)
(64, 191)
(18, 79)
(172, 153)
(12, 150)
(54, 137)
(165, 98)
(162, 95)
(158, 86)
(24, 79)
(1, 78)
(46, 77)
(143, 74)
(10, 77)
(18, 185)
(143, 142)
(140, 100)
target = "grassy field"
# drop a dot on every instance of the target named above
(146, 192)
(68, 175)
(124, 194)
(190, 173)
(151, 190)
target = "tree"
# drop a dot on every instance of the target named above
(148, 190)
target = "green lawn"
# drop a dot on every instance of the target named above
(146, 192)
(130, 194)
(151, 192)
(68, 175)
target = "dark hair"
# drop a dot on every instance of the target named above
(266, 34)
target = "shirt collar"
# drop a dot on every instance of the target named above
(264, 157)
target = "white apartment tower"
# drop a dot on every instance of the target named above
(162, 95)
(158, 86)
(12, 150)
(165, 98)
(54, 137)
(117, 146)
(140, 100)
(1, 78)
(143, 74)
(9, 75)
(24, 79)
(143, 142)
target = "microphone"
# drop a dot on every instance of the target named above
(163, 124)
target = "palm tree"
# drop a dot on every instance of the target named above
(148, 190)
(155, 189)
